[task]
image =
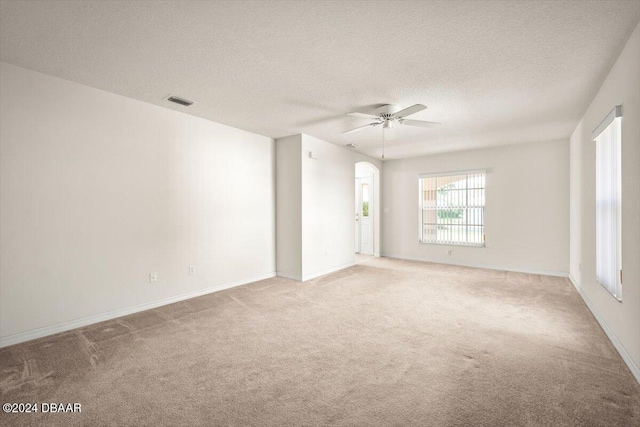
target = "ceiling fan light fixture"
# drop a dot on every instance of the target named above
(387, 114)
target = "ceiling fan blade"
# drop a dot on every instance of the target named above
(420, 123)
(360, 128)
(410, 110)
(362, 115)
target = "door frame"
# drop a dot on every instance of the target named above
(368, 169)
(361, 220)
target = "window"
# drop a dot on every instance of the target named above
(365, 200)
(608, 139)
(452, 208)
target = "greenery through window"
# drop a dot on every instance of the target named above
(452, 208)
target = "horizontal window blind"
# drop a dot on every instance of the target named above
(452, 208)
(608, 203)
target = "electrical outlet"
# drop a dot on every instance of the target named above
(448, 251)
(153, 277)
(192, 270)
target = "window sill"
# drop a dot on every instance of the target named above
(479, 245)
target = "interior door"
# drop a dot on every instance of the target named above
(357, 214)
(365, 214)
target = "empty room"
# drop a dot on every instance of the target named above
(320, 213)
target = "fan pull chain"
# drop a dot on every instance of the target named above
(383, 143)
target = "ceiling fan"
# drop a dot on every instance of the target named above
(387, 115)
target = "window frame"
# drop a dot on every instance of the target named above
(614, 115)
(421, 210)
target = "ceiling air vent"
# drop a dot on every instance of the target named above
(352, 145)
(178, 100)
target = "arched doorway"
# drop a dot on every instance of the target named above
(367, 209)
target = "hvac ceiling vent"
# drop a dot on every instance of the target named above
(178, 100)
(352, 145)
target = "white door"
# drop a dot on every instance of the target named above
(357, 215)
(364, 215)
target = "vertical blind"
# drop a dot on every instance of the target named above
(608, 203)
(452, 208)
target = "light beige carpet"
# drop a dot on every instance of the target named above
(384, 343)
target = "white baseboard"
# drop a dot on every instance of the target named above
(85, 321)
(289, 276)
(603, 324)
(486, 266)
(306, 277)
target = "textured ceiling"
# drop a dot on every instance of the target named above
(493, 72)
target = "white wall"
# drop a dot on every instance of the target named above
(526, 213)
(289, 206)
(98, 190)
(327, 207)
(575, 189)
(620, 320)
